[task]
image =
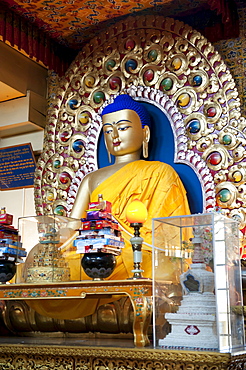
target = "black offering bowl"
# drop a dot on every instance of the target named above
(7, 270)
(98, 265)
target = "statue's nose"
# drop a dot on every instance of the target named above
(115, 132)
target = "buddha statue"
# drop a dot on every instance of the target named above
(126, 128)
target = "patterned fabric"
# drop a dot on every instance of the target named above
(71, 22)
(65, 17)
(31, 41)
(39, 28)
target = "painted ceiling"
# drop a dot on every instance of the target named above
(72, 22)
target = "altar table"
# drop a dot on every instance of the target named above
(139, 291)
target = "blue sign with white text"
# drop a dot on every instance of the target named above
(17, 166)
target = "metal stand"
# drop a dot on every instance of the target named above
(136, 243)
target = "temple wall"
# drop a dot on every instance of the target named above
(21, 118)
(18, 202)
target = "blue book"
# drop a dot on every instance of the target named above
(13, 251)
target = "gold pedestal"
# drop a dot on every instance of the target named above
(106, 358)
(115, 319)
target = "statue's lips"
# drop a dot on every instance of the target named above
(117, 143)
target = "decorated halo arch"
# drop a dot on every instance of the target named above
(181, 152)
(164, 62)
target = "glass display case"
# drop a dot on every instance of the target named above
(197, 283)
(49, 243)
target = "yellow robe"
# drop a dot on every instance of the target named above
(159, 187)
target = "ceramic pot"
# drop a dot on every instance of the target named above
(98, 266)
(7, 271)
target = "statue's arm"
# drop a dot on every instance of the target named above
(82, 199)
(79, 208)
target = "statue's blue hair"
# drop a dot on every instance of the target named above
(125, 101)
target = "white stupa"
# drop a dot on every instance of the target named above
(194, 324)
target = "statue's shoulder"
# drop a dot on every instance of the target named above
(95, 178)
(156, 165)
(158, 169)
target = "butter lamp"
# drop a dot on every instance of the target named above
(136, 215)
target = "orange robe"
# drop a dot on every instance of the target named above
(159, 187)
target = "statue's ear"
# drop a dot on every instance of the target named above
(146, 133)
(146, 137)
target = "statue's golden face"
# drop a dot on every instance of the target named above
(123, 132)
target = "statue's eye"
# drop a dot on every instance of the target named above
(123, 128)
(108, 131)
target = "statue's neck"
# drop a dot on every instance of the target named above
(127, 158)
